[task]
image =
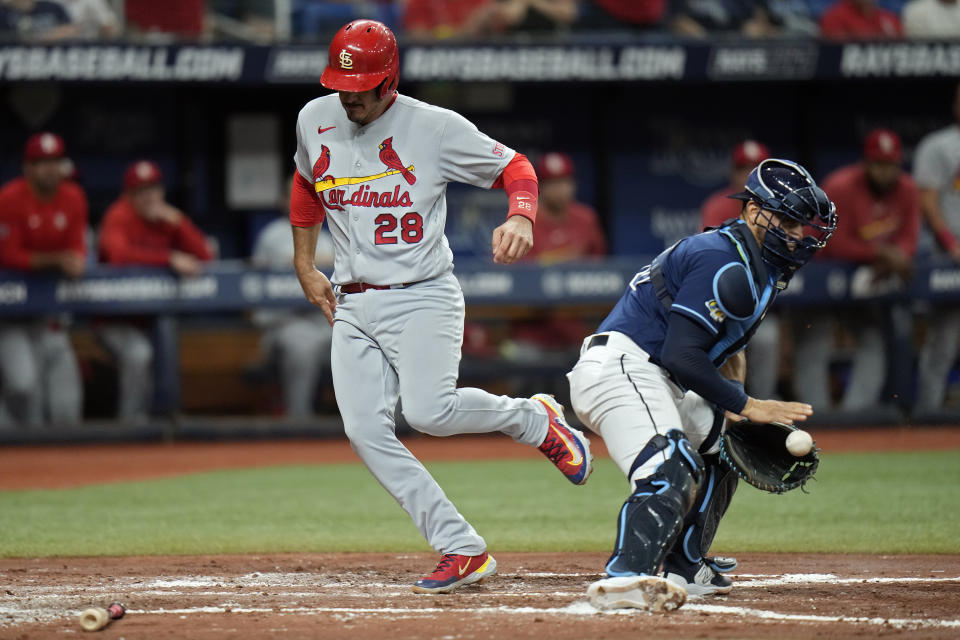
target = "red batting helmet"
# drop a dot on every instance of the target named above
(363, 55)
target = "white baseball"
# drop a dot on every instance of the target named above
(799, 443)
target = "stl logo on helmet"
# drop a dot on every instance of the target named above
(346, 59)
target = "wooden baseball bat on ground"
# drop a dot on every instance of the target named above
(96, 618)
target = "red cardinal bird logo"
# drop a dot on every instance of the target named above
(322, 163)
(390, 158)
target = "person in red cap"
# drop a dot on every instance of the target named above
(763, 350)
(565, 229)
(396, 309)
(881, 213)
(719, 206)
(43, 221)
(142, 229)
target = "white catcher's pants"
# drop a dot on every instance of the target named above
(626, 399)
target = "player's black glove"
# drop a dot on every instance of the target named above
(758, 453)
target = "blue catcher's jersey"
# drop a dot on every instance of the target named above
(686, 277)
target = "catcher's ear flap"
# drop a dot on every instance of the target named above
(734, 291)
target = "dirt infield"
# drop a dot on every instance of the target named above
(360, 596)
(534, 596)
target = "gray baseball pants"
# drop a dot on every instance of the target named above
(133, 353)
(405, 343)
(39, 377)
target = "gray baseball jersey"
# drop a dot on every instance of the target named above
(936, 165)
(383, 185)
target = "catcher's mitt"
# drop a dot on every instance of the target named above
(758, 453)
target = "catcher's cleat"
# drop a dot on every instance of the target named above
(721, 564)
(698, 578)
(650, 593)
(567, 448)
(455, 571)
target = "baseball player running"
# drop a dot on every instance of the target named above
(375, 164)
(665, 365)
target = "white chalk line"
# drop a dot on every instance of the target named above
(41, 603)
(795, 617)
(576, 608)
(829, 578)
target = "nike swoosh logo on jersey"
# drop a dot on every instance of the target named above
(322, 129)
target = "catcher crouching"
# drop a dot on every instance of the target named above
(667, 365)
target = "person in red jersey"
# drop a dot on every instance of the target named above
(43, 219)
(177, 18)
(881, 209)
(763, 350)
(142, 229)
(565, 230)
(718, 206)
(850, 19)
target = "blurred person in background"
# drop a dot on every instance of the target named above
(94, 19)
(248, 19)
(43, 219)
(748, 18)
(565, 230)
(167, 20)
(534, 16)
(936, 170)
(850, 19)
(142, 229)
(297, 340)
(426, 20)
(35, 21)
(613, 15)
(932, 19)
(881, 223)
(763, 350)
(719, 207)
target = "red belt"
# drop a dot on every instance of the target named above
(360, 287)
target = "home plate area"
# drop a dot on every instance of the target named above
(535, 595)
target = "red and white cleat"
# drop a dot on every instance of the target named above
(567, 448)
(455, 571)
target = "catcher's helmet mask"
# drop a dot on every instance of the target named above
(785, 188)
(363, 56)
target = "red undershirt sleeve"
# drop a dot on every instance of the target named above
(519, 180)
(306, 210)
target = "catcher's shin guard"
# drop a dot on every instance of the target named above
(651, 518)
(713, 498)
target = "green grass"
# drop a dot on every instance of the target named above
(873, 503)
